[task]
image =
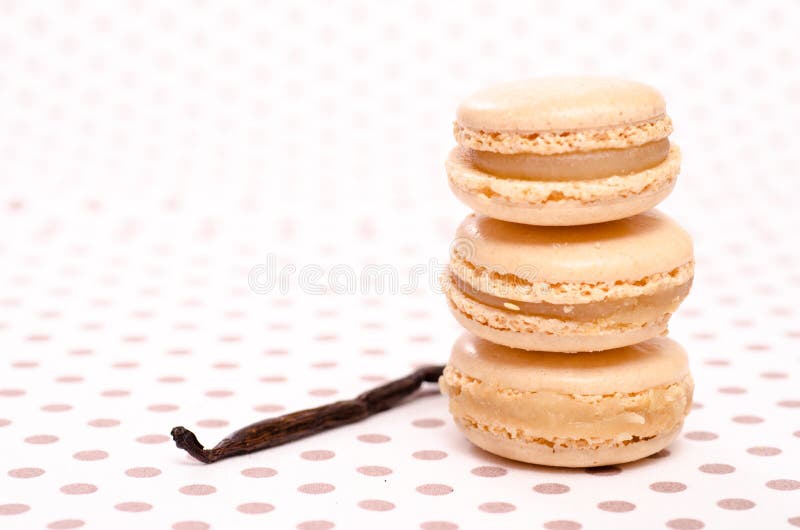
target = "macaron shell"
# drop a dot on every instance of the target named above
(576, 202)
(656, 362)
(623, 250)
(562, 213)
(560, 104)
(567, 457)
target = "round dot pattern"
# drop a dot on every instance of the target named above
(157, 154)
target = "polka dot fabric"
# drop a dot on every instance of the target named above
(156, 154)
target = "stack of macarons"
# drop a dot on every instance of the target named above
(565, 277)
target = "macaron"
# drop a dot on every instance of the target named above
(563, 151)
(565, 410)
(568, 289)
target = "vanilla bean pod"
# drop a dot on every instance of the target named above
(289, 427)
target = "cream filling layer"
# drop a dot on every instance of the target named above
(505, 320)
(549, 414)
(500, 282)
(571, 166)
(632, 309)
(467, 178)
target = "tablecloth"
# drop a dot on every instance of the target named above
(193, 193)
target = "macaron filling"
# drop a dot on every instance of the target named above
(584, 165)
(631, 308)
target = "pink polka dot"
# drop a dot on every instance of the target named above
(616, 506)
(65, 524)
(668, 487)
(371, 378)
(190, 525)
(376, 505)
(438, 525)
(764, 451)
(56, 407)
(4, 422)
(700, 436)
(212, 423)
(497, 507)
(373, 438)
(273, 379)
(13, 509)
(317, 455)
(115, 392)
(26, 472)
(268, 408)
(562, 525)
(736, 504)
(143, 472)
(794, 521)
(162, 407)
(429, 454)
(774, 375)
(488, 471)
(685, 524)
(25, 364)
(322, 392)
(225, 365)
(783, 484)
(324, 364)
(219, 393)
(69, 379)
(104, 422)
(604, 471)
(90, 455)
(374, 471)
(747, 420)
(427, 423)
(78, 489)
(197, 489)
(717, 469)
(39, 439)
(133, 507)
(152, 439)
(789, 403)
(732, 390)
(434, 489)
(171, 379)
(316, 488)
(315, 525)
(125, 365)
(11, 392)
(551, 488)
(259, 472)
(255, 508)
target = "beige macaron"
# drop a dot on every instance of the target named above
(568, 289)
(563, 151)
(566, 410)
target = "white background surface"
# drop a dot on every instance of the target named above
(153, 153)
